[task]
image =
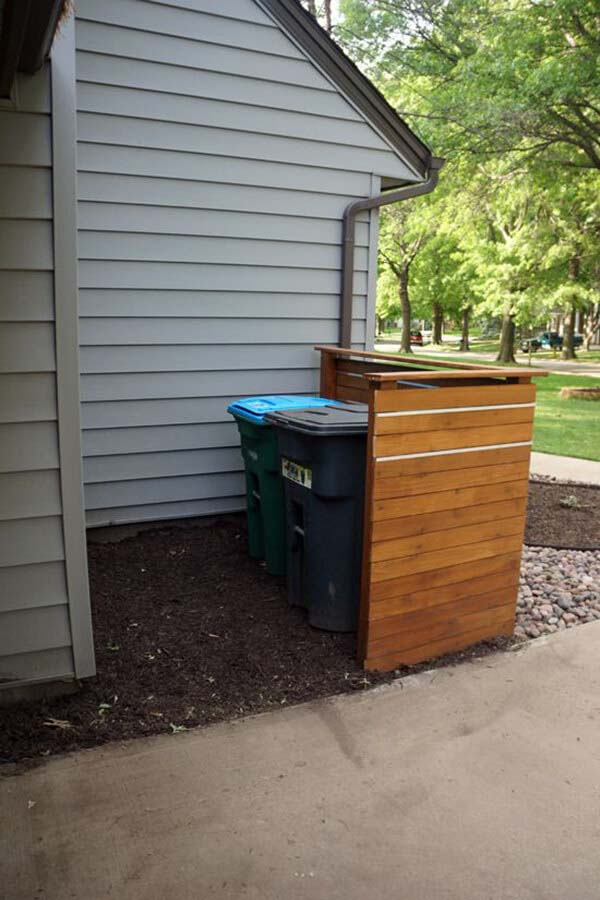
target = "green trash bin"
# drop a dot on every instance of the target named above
(265, 496)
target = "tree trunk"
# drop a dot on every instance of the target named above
(464, 339)
(592, 323)
(568, 347)
(312, 8)
(380, 324)
(506, 353)
(327, 13)
(405, 306)
(438, 321)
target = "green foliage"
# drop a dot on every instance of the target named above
(509, 92)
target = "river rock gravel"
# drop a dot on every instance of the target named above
(558, 589)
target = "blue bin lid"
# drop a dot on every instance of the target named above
(254, 409)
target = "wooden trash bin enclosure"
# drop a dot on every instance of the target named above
(446, 483)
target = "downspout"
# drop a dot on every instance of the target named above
(349, 237)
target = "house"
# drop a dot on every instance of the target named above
(173, 180)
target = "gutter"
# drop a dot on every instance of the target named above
(349, 237)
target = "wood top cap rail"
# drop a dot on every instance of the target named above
(464, 370)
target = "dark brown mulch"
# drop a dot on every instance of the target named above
(563, 515)
(190, 631)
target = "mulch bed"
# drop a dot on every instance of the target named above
(563, 516)
(190, 631)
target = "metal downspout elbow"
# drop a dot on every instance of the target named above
(349, 238)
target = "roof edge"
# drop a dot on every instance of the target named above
(321, 48)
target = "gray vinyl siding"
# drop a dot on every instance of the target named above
(35, 635)
(215, 161)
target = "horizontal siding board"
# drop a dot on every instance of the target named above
(26, 297)
(144, 219)
(153, 512)
(152, 439)
(30, 630)
(171, 20)
(27, 397)
(131, 132)
(141, 161)
(189, 410)
(160, 331)
(32, 585)
(102, 69)
(26, 245)
(25, 192)
(128, 303)
(150, 385)
(396, 444)
(27, 346)
(25, 140)
(250, 251)
(135, 44)
(163, 490)
(415, 485)
(244, 10)
(423, 523)
(196, 194)
(29, 494)
(44, 665)
(197, 358)
(26, 542)
(99, 469)
(28, 446)
(240, 117)
(453, 499)
(190, 276)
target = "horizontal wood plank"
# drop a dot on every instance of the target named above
(454, 618)
(397, 444)
(452, 643)
(420, 601)
(425, 562)
(445, 462)
(352, 381)
(388, 529)
(439, 540)
(448, 398)
(468, 496)
(451, 573)
(415, 485)
(443, 421)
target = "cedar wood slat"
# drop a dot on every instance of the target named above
(447, 519)
(443, 532)
(449, 461)
(395, 444)
(452, 420)
(386, 595)
(414, 485)
(420, 601)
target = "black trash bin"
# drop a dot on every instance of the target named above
(322, 456)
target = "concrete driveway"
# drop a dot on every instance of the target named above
(470, 783)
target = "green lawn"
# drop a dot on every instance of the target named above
(566, 427)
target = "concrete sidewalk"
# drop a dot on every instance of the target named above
(565, 468)
(476, 782)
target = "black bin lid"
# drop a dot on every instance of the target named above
(324, 421)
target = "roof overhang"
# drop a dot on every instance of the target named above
(27, 29)
(305, 29)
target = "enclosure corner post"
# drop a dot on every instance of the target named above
(328, 373)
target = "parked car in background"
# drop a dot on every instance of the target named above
(548, 340)
(416, 337)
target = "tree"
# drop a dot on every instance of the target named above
(402, 235)
(322, 13)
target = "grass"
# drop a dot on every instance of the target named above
(566, 427)
(562, 427)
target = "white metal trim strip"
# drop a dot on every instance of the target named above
(450, 452)
(453, 409)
